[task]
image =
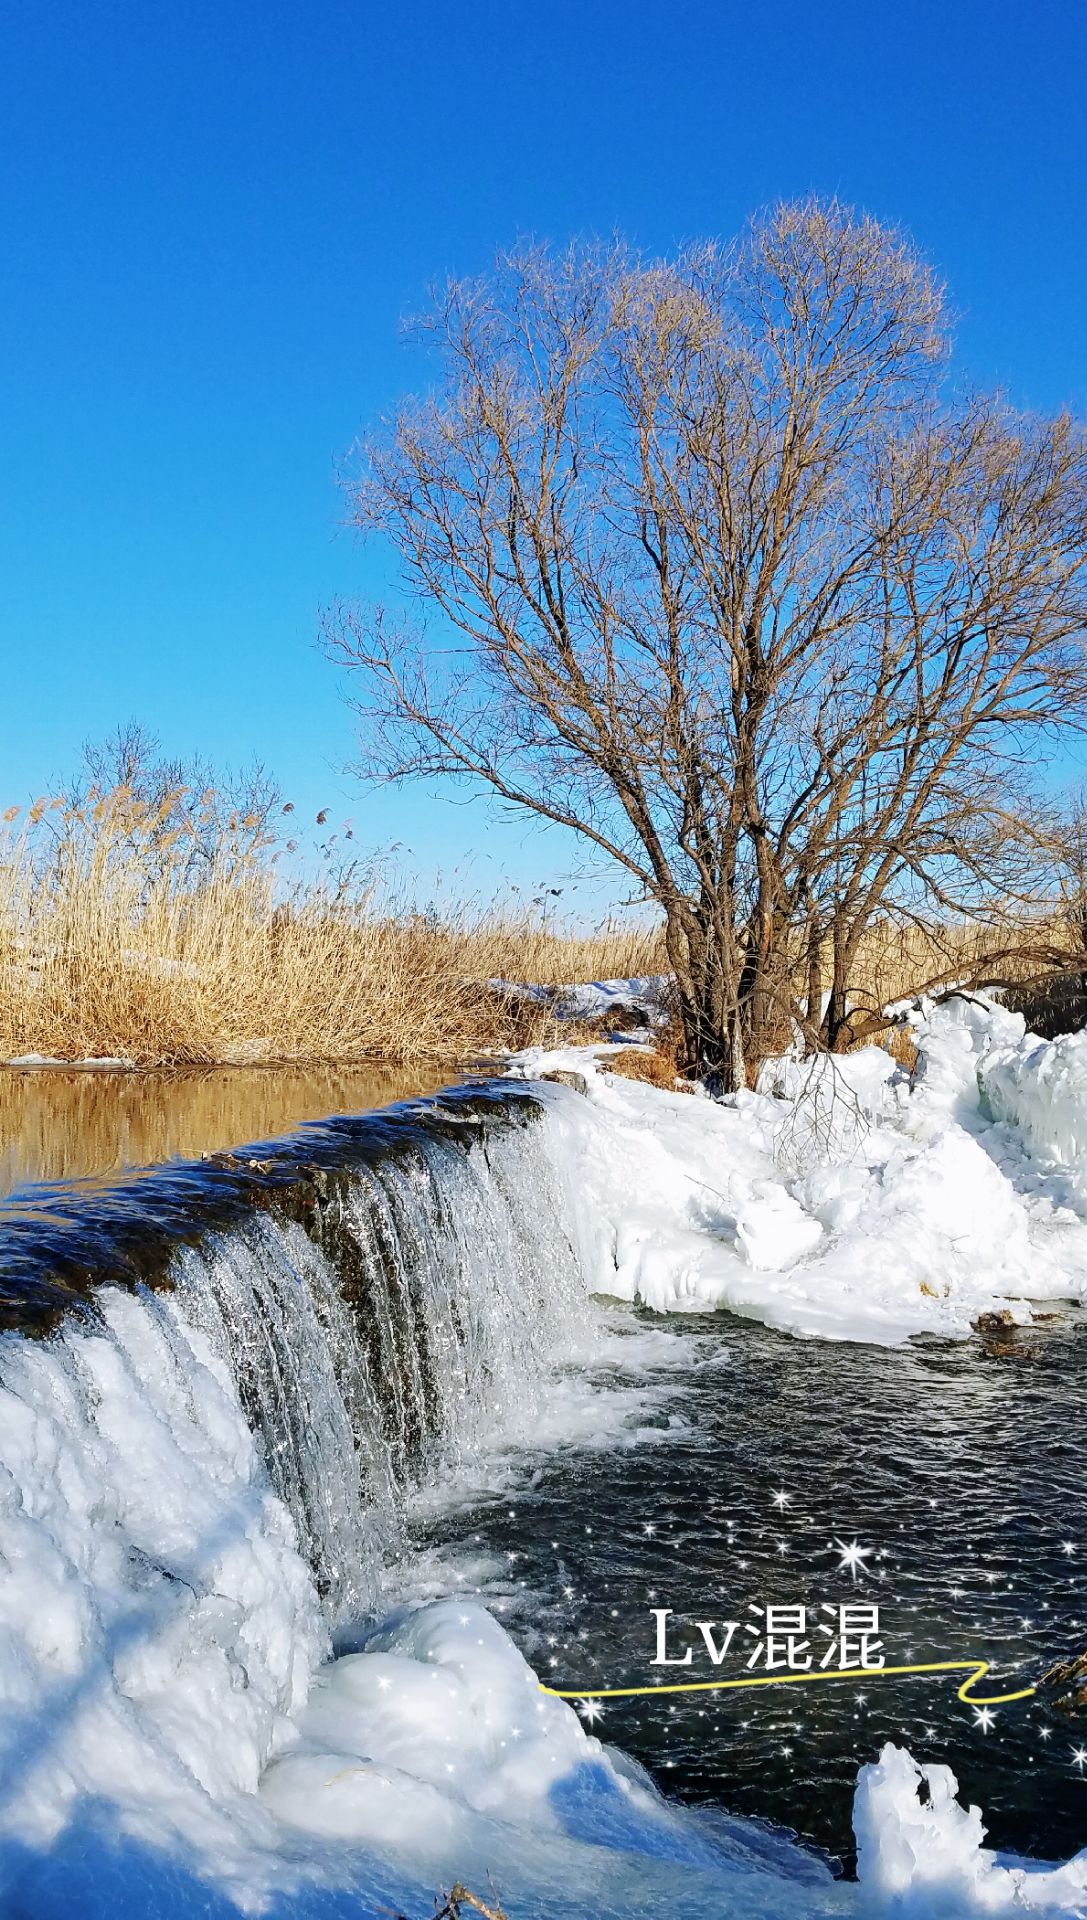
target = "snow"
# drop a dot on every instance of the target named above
(593, 999)
(106, 1062)
(923, 1859)
(441, 1704)
(1040, 1086)
(844, 1198)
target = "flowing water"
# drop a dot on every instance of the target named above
(956, 1468)
(397, 1308)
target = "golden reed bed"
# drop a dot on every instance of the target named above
(136, 931)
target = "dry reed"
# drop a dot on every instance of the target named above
(121, 936)
(134, 930)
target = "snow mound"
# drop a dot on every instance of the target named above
(1040, 1086)
(955, 1038)
(441, 1707)
(844, 1198)
(923, 1859)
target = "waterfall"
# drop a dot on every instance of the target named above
(224, 1390)
(378, 1345)
(204, 1473)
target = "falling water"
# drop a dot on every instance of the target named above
(380, 1293)
(377, 1346)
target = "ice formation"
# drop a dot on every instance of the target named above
(845, 1198)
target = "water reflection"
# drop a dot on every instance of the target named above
(62, 1126)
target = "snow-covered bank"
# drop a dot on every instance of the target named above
(843, 1198)
(594, 999)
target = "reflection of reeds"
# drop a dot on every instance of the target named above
(163, 937)
(58, 1126)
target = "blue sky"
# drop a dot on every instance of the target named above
(214, 216)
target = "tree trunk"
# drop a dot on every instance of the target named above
(707, 1001)
(814, 1007)
(835, 1028)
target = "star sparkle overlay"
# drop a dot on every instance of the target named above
(757, 1501)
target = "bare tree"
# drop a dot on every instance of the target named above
(723, 580)
(229, 811)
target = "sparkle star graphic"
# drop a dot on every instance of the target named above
(1079, 1758)
(984, 1718)
(853, 1557)
(591, 1711)
(780, 1500)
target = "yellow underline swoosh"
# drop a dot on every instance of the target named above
(975, 1670)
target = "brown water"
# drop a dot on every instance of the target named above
(57, 1125)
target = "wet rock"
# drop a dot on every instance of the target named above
(1008, 1350)
(994, 1322)
(238, 1162)
(566, 1077)
(1073, 1704)
(1063, 1671)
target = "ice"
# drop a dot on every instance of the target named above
(101, 1063)
(1040, 1087)
(920, 1855)
(440, 1697)
(157, 1625)
(843, 1199)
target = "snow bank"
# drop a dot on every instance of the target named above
(594, 999)
(925, 1857)
(842, 1198)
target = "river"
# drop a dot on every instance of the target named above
(956, 1467)
(382, 1323)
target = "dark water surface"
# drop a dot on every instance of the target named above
(959, 1469)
